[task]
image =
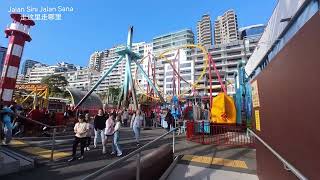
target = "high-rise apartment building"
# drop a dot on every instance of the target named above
(28, 64)
(80, 79)
(226, 28)
(226, 58)
(39, 71)
(3, 51)
(116, 77)
(95, 61)
(204, 31)
(166, 80)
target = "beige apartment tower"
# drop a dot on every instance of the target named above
(226, 28)
(204, 31)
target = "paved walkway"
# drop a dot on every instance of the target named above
(190, 172)
(94, 159)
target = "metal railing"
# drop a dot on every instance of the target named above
(205, 132)
(287, 165)
(53, 141)
(136, 152)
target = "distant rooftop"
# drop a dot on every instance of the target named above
(170, 33)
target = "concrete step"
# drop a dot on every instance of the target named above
(13, 162)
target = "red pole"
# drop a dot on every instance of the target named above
(210, 81)
(217, 73)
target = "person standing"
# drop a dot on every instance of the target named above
(99, 127)
(37, 115)
(7, 118)
(169, 118)
(115, 145)
(80, 129)
(125, 117)
(136, 122)
(90, 131)
(109, 129)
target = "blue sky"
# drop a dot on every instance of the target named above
(100, 24)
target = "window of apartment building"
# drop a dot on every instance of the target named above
(216, 55)
(234, 60)
(230, 74)
(169, 92)
(232, 66)
(198, 63)
(184, 85)
(166, 45)
(169, 73)
(168, 79)
(187, 71)
(234, 46)
(234, 53)
(186, 77)
(200, 58)
(185, 65)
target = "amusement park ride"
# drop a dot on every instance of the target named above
(222, 107)
(39, 93)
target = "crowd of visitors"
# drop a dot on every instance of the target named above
(104, 127)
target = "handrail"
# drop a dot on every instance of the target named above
(37, 122)
(107, 167)
(43, 124)
(288, 166)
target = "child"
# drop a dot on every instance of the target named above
(90, 132)
(80, 129)
(115, 146)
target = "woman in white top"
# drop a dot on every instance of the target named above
(109, 129)
(136, 122)
(115, 145)
(80, 129)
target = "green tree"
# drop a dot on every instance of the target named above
(113, 93)
(56, 85)
(103, 96)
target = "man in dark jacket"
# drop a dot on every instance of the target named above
(169, 118)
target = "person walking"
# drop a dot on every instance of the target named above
(109, 129)
(115, 146)
(80, 129)
(125, 117)
(7, 118)
(18, 125)
(90, 131)
(136, 122)
(99, 127)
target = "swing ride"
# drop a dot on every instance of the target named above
(222, 108)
